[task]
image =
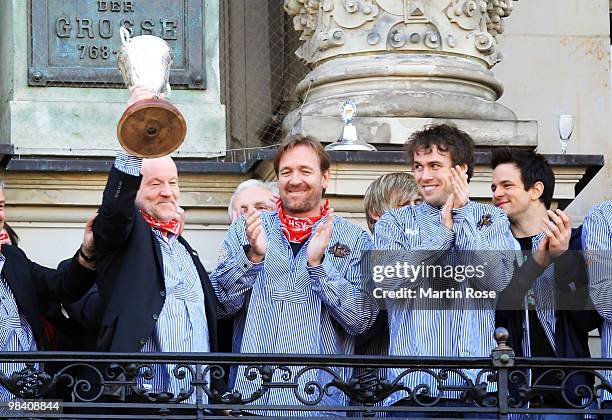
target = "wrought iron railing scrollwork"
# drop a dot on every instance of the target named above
(113, 383)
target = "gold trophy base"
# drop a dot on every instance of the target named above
(151, 128)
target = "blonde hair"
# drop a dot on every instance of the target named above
(389, 191)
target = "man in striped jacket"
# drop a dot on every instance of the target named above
(450, 231)
(297, 273)
(597, 242)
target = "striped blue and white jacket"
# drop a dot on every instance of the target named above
(15, 332)
(597, 243)
(420, 327)
(292, 308)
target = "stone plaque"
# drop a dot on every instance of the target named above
(76, 42)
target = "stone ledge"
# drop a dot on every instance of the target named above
(49, 128)
(395, 130)
(209, 184)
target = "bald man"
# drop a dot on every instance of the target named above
(155, 292)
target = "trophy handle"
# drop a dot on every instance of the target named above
(168, 90)
(124, 35)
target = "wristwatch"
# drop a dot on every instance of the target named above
(89, 259)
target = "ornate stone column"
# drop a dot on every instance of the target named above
(405, 63)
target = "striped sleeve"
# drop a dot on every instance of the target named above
(15, 332)
(346, 297)
(128, 164)
(597, 241)
(490, 246)
(389, 235)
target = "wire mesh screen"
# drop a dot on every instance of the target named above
(77, 44)
(73, 46)
(260, 72)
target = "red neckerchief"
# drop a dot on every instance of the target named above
(3, 237)
(171, 226)
(298, 229)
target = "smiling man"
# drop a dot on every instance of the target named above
(538, 300)
(443, 231)
(155, 294)
(297, 272)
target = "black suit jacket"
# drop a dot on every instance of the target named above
(33, 286)
(575, 313)
(130, 271)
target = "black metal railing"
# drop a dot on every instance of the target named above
(112, 385)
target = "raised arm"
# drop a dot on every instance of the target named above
(115, 218)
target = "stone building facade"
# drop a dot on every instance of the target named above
(503, 70)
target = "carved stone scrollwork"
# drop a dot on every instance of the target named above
(397, 38)
(353, 14)
(331, 38)
(434, 56)
(468, 14)
(496, 11)
(484, 43)
(421, 36)
(432, 40)
(304, 14)
(470, 7)
(332, 28)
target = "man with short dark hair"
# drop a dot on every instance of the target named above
(535, 307)
(449, 230)
(297, 272)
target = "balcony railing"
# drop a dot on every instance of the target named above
(110, 385)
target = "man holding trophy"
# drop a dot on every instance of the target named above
(155, 293)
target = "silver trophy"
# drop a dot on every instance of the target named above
(348, 140)
(150, 127)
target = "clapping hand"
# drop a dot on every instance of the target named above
(447, 212)
(461, 188)
(458, 198)
(558, 229)
(320, 240)
(256, 236)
